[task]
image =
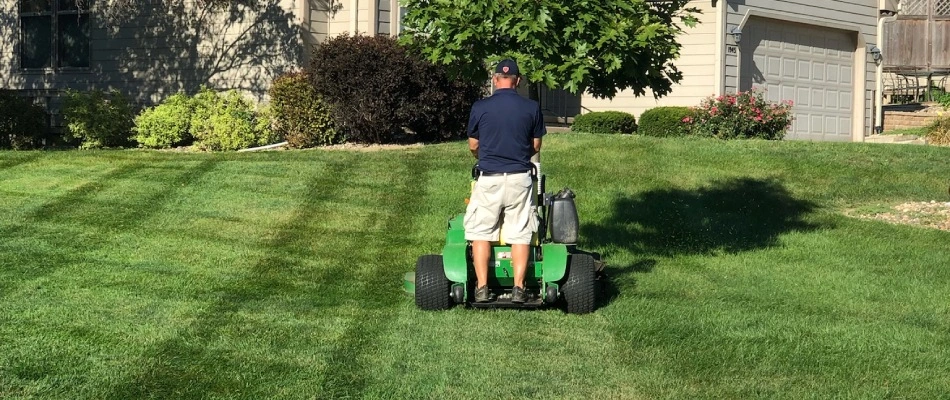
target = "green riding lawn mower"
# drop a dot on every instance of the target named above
(558, 273)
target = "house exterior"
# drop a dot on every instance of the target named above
(159, 47)
(813, 53)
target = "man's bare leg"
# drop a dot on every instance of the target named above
(481, 252)
(519, 262)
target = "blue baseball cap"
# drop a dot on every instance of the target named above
(507, 67)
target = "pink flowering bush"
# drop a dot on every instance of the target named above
(743, 115)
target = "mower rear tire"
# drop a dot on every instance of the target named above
(432, 287)
(580, 295)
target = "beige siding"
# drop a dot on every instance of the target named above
(342, 21)
(157, 50)
(697, 61)
(374, 17)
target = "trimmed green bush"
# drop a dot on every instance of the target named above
(380, 92)
(227, 122)
(605, 122)
(22, 123)
(165, 125)
(301, 116)
(664, 121)
(97, 119)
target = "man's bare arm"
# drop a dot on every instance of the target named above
(537, 145)
(473, 147)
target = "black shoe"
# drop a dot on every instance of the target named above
(482, 295)
(517, 295)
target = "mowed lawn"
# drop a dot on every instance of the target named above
(734, 274)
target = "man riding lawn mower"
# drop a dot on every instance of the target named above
(505, 132)
(556, 269)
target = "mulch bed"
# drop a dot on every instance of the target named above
(929, 214)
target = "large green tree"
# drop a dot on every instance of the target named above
(597, 46)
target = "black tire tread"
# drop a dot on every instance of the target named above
(580, 295)
(432, 287)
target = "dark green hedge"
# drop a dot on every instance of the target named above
(664, 121)
(605, 122)
(22, 123)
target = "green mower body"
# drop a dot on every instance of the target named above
(557, 272)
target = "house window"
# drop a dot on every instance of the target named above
(54, 34)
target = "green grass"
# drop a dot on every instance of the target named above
(127, 275)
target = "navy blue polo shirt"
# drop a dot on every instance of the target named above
(505, 125)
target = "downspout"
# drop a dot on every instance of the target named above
(886, 13)
(720, 64)
(354, 14)
(879, 82)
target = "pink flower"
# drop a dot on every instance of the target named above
(687, 120)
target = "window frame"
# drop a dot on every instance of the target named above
(84, 8)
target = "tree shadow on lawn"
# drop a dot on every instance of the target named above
(728, 216)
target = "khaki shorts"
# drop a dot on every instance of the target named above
(502, 200)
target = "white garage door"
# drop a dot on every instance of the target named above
(810, 65)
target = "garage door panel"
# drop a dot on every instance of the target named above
(804, 69)
(801, 97)
(809, 65)
(817, 123)
(845, 101)
(831, 100)
(832, 73)
(774, 65)
(788, 67)
(818, 71)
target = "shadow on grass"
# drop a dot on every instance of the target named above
(728, 216)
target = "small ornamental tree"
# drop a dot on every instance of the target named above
(597, 46)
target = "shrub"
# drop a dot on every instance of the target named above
(744, 115)
(22, 123)
(97, 119)
(380, 92)
(941, 97)
(227, 122)
(605, 122)
(441, 110)
(664, 121)
(165, 125)
(938, 133)
(300, 115)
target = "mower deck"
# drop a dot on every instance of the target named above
(505, 302)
